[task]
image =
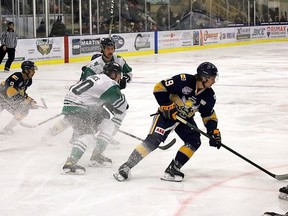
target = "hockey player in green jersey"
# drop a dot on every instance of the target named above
(96, 67)
(107, 55)
(90, 104)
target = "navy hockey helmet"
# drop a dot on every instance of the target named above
(207, 69)
(28, 65)
(112, 67)
(106, 42)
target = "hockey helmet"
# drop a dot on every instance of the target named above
(112, 67)
(106, 42)
(207, 69)
(28, 65)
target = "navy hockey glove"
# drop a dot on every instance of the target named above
(123, 82)
(169, 111)
(216, 138)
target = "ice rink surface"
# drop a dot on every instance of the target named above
(252, 107)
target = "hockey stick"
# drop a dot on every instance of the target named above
(44, 103)
(23, 124)
(111, 18)
(278, 177)
(164, 147)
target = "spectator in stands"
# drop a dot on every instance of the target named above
(41, 30)
(58, 28)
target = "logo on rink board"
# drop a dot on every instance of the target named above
(44, 46)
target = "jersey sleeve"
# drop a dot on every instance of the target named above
(126, 68)
(12, 87)
(208, 113)
(163, 89)
(114, 97)
(91, 69)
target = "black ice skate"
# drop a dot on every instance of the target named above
(123, 173)
(70, 167)
(173, 173)
(283, 193)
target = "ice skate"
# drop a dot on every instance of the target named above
(283, 193)
(99, 160)
(274, 214)
(7, 131)
(123, 173)
(173, 173)
(70, 167)
(114, 142)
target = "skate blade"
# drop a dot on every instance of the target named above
(97, 165)
(76, 172)
(170, 178)
(283, 196)
(5, 133)
(119, 177)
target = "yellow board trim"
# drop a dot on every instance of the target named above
(151, 52)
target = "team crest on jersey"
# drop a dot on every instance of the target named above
(186, 90)
(183, 77)
(159, 130)
(202, 102)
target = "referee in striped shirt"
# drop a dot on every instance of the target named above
(8, 45)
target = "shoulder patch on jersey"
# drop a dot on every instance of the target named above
(186, 90)
(183, 77)
(15, 77)
(202, 102)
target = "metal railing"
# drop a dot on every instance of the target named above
(47, 18)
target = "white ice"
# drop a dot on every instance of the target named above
(252, 107)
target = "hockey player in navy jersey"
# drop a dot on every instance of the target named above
(89, 105)
(181, 95)
(14, 98)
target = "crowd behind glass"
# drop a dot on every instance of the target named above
(95, 16)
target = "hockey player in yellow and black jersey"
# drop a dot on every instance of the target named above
(13, 96)
(181, 95)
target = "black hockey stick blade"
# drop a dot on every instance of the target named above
(281, 177)
(163, 147)
(278, 177)
(167, 146)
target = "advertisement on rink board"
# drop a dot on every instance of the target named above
(52, 48)
(40, 49)
(132, 42)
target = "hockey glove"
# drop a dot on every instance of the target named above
(169, 111)
(216, 138)
(123, 82)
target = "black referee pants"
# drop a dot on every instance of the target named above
(11, 56)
